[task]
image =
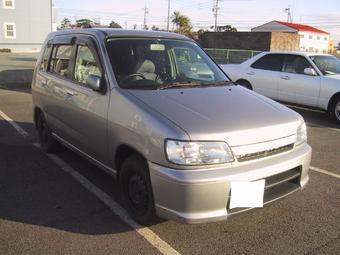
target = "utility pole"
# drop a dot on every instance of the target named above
(168, 25)
(146, 11)
(215, 12)
(289, 15)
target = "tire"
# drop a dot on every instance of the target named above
(136, 191)
(245, 84)
(335, 109)
(46, 140)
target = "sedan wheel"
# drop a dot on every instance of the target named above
(336, 109)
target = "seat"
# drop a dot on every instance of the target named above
(147, 69)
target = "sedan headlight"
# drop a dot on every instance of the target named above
(198, 153)
(301, 134)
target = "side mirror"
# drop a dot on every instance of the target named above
(310, 71)
(94, 82)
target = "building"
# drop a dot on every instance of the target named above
(311, 38)
(24, 24)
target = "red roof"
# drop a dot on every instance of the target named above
(304, 28)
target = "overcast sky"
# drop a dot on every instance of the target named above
(243, 14)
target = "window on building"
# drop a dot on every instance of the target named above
(8, 4)
(325, 38)
(302, 36)
(318, 37)
(310, 37)
(10, 31)
(61, 58)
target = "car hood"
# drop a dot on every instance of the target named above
(230, 113)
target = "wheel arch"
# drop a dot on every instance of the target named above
(330, 102)
(245, 83)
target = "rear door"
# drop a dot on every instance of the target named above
(294, 85)
(85, 111)
(264, 73)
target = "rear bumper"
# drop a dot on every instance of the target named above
(197, 196)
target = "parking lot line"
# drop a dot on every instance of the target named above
(14, 124)
(145, 232)
(316, 169)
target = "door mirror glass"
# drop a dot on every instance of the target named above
(310, 71)
(94, 82)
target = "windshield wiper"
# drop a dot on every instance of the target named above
(193, 84)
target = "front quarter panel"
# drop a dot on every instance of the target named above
(329, 87)
(131, 122)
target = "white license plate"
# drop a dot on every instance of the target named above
(247, 194)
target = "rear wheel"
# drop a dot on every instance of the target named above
(46, 140)
(245, 84)
(136, 190)
(336, 109)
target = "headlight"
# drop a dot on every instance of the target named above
(301, 134)
(198, 153)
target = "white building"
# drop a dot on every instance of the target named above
(311, 38)
(24, 24)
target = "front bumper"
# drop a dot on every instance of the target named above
(197, 196)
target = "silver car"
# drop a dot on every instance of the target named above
(153, 110)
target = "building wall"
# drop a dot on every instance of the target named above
(314, 42)
(237, 40)
(284, 41)
(261, 41)
(33, 22)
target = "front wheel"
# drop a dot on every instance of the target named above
(336, 109)
(136, 190)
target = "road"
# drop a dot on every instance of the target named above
(45, 210)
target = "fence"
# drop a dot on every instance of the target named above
(230, 56)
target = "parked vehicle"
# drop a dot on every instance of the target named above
(309, 79)
(178, 139)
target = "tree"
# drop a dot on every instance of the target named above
(114, 25)
(182, 23)
(84, 23)
(226, 28)
(65, 23)
(154, 28)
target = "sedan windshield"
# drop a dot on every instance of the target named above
(161, 64)
(328, 65)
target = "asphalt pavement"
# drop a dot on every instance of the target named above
(44, 210)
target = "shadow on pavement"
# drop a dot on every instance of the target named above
(15, 79)
(33, 190)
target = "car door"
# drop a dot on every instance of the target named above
(264, 73)
(294, 85)
(85, 111)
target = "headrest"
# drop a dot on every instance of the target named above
(147, 67)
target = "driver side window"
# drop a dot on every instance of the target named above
(295, 64)
(85, 65)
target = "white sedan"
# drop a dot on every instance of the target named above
(301, 78)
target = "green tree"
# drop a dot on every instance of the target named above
(65, 23)
(226, 28)
(154, 28)
(84, 23)
(182, 23)
(114, 25)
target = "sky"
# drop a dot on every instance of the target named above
(242, 14)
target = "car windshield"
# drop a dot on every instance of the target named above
(328, 65)
(144, 63)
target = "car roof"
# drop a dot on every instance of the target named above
(302, 53)
(114, 32)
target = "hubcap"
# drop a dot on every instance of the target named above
(337, 111)
(137, 191)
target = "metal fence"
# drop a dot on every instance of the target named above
(230, 56)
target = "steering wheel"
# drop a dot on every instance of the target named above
(129, 77)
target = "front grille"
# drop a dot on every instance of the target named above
(266, 153)
(276, 187)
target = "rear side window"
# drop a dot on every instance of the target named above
(61, 58)
(46, 57)
(295, 64)
(86, 65)
(271, 62)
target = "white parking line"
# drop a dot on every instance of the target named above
(145, 232)
(316, 169)
(14, 124)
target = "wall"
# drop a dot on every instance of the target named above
(260, 41)
(317, 43)
(284, 42)
(33, 23)
(237, 40)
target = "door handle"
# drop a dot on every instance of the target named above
(251, 73)
(285, 77)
